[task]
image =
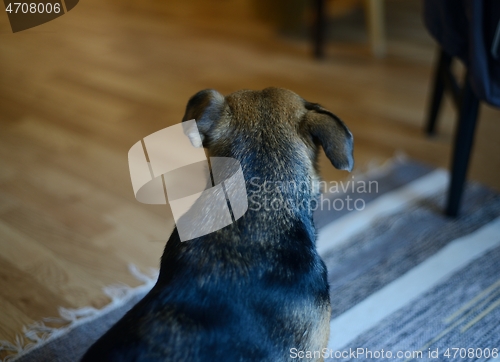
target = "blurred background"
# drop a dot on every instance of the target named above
(76, 93)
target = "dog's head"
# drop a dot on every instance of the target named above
(273, 133)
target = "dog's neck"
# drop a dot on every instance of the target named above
(279, 185)
(278, 205)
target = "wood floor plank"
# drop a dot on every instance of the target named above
(67, 244)
(67, 280)
(30, 297)
(12, 320)
(71, 214)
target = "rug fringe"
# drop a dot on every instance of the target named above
(38, 333)
(377, 168)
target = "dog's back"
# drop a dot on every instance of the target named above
(257, 288)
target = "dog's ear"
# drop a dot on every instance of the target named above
(206, 108)
(331, 133)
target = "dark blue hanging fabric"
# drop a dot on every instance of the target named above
(466, 29)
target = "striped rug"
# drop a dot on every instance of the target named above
(407, 283)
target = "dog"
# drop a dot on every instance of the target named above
(257, 288)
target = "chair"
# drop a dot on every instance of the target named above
(467, 30)
(375, 24)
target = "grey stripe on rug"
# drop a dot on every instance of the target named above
(403, 277)
(458, 319)
(395, 244)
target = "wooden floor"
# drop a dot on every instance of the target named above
(78, 92)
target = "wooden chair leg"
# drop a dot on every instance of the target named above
(443, 65)
(376, 27)
(319, 29)
(464, 140)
